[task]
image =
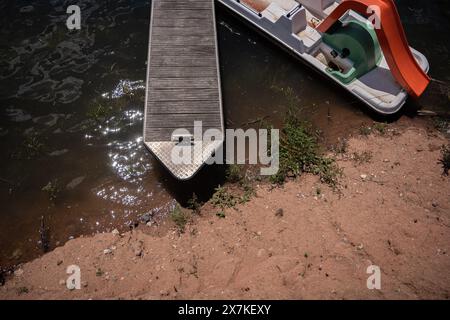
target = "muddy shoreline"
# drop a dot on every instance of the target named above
(299, 241)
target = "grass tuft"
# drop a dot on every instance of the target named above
(341, 146)
(445, 160)
(363, 157)
(223, 199)
(221, 214)
(194, 204)
(179, 218)
(249, 192)
(381, 128)
(22, 290)
(441, 124)
(365, 131)
(300, 153)
(234, 173)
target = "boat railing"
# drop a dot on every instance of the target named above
(294, 11)
(249, 8)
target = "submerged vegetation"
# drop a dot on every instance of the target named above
(52, 189)
(32, 147)
(99, 112)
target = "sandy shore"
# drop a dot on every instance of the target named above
(301, 241)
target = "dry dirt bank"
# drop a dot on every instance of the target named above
(297, 242)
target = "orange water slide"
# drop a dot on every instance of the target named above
(392, 39)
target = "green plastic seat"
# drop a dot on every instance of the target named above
(359, 43)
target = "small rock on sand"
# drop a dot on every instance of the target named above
(279, 212)
(18, 272)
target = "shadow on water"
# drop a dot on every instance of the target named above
(202, 184)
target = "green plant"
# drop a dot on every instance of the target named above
(221, 214)
(98, 112)
(441, 124)
(292, 100)
(249, 192)
(445, 160)
(341, 146)
(380, 127)
(32, 147)
(223, 199)
(299, 153)
(22, 290)
(194, 204)
(365, 130)
(363, 157)
(234, 173)
(179, 218)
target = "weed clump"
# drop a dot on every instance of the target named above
(441, 124)
(179, 218)
(221, 214)
(381, 128)
(363, 157)
(365, 130)
(223, 199)
(234, 173)
(445, 160)
(249, 192)
(299, 153)
(194, 204)
(341, 147)
(22, 290)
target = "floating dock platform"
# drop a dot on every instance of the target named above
(183, 83)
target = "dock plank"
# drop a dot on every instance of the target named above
(183, 82)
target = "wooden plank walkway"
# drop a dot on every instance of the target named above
(183, 80)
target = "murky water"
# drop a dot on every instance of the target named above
(72, 113)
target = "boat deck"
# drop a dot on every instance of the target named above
(183, 80)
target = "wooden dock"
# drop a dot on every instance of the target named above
(183, 80)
